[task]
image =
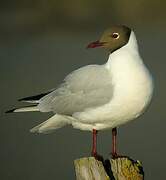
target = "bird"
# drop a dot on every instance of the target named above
(99, 97)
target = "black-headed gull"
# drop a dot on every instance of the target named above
(99, 97)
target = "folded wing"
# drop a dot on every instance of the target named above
(84, 88)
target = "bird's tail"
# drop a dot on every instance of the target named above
(24, 109)
(34, 100)
(55, 122)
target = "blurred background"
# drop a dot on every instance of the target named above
(40, 43)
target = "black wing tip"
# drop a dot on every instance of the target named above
(10, 111)
(33, 98)
(23, 99)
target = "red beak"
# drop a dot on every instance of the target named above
(95, 44)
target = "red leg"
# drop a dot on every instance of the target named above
(94, 147)
(114, 142)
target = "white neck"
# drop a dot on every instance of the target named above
(132, 43)
(129, 52)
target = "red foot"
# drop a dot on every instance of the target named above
(97, 156)
(115, 156)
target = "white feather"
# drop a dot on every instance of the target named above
(27, 109)
(55, 122)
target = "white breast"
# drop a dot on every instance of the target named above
(133, 87)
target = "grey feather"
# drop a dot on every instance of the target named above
(87, 87)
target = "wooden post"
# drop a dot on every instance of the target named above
(121, 168)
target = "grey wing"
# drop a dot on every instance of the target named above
(87, 87)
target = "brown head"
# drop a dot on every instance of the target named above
(113, 38)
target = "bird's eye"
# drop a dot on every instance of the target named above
(115, 35)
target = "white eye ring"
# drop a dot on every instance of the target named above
(115, 35)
